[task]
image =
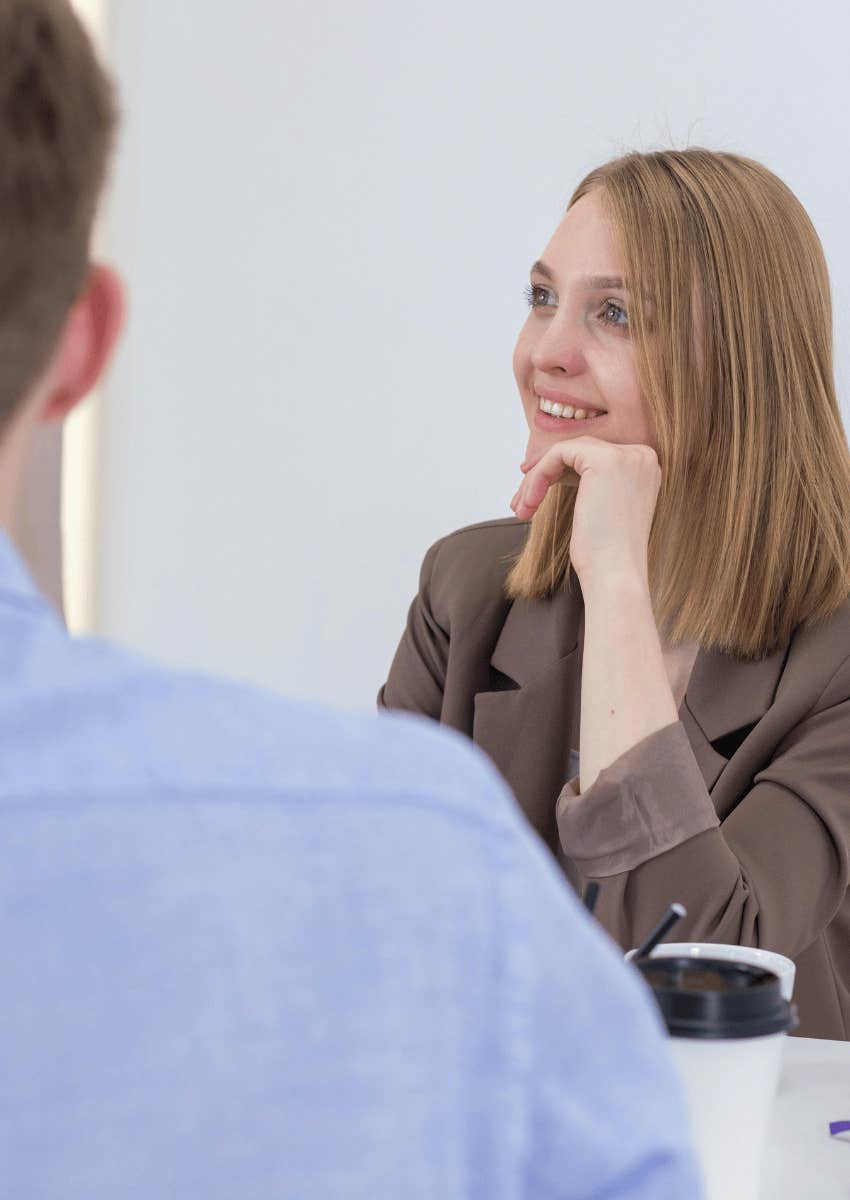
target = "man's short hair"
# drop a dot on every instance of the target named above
(57, 120)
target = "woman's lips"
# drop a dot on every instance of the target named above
(548, 424)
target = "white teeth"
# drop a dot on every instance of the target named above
(566, 411)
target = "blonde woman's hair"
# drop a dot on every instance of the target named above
(751, 535)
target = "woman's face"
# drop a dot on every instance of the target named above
(575, 349)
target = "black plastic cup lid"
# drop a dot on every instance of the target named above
(713, 998)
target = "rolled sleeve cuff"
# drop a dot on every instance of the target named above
(650, 799)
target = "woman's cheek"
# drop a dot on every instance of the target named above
(522, 361)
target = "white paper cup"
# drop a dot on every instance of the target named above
(727, 1018)
(730, 1091)
(769, 959)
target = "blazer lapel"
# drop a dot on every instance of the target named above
(726, 695)
(530, 719)
(529, 722)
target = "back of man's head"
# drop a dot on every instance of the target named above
(57, 119)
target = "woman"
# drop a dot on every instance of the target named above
(656, 654)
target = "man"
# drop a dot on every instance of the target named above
(251, 948)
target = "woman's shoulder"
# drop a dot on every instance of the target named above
(818, 659)
(466, 570)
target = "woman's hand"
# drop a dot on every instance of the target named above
(617, 491)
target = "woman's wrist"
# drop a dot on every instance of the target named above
(616, 583)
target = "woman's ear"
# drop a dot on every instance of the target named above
(85, 344)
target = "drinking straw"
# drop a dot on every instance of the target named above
(673, 914)
(590, 896)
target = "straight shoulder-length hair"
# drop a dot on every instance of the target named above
(731, 322)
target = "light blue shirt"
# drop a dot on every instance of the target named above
(252, 948)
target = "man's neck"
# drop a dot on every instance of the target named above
(18, 455)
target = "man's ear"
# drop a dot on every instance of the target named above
(85, 344)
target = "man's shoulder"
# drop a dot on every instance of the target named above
(465, 571)
(191, 733)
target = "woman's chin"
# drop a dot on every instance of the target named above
(539, 440)
(539, 443)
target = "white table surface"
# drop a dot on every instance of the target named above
(802, 1161)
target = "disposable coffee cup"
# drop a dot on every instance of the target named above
(727, 1023)
(778, 963)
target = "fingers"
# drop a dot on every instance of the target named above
(525, 467)
(531, 461)
(635, 466)
(541, 472)
(536, 488)
(530, 496)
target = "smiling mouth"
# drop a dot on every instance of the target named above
(567, 412)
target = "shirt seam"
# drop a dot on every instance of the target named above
(238, 794)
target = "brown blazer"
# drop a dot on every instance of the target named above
(740, 810)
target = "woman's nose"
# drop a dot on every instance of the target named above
(558, 348)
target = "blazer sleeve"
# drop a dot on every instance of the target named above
(418, 672)
(773, 873)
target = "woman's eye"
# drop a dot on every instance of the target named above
(539, 297)
(613, 313)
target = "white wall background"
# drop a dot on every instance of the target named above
(81, 457)
(326, 212)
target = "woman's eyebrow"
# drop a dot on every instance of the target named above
(601, 283)
(604, 281)
(540, 268)
(590, 282)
